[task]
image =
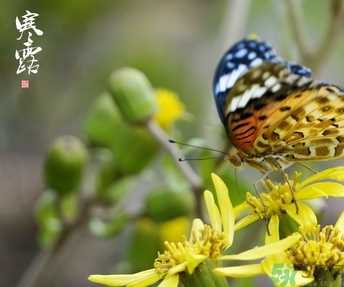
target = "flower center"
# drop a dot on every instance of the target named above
(319, 250)
(273, 202)
(205, 242)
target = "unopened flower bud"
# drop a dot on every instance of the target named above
(133, 94)
(64, 165)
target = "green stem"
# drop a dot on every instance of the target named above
(327, 279)
(204, 277)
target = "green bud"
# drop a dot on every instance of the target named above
(163, 204)
(134, 149)
(107, 172)
(133, 94)
(47, 217)
(102, 122)
(64, 165)
(105, 127)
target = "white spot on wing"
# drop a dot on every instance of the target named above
(275, 88)
(270, 81)
(230, 65)
(259, 92)
(252, 55)
(234, 104)
(241, 53)
(302, 81)
(291, 78)
(229, 56)
(228, 80)
(256, 62)
(245, 98)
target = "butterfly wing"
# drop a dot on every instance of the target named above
(239, 59)
(312, 127)
(255, 98)
(243, 56)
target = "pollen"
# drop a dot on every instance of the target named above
(273, 202)
(204, 243)
(319, 249)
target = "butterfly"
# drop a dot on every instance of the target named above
(273, 111)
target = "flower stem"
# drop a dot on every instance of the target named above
(204, 277)
(327, 279)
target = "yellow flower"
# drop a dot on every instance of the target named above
(205, 242)
(279, 199)
(170, 108)
(314, 252)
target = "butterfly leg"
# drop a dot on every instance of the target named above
(266, 221)
(260, 166)
(264, 169)
(274, 162)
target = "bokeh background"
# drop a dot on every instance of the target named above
(176, 43)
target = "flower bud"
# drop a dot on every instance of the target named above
(64, 165)
(105, 127)
(47, 218)
(133, 95)
(102, 122)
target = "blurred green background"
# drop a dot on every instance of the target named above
(175, 43)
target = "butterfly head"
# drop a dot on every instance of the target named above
(234, 157)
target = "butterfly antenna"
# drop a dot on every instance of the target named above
(196, 158)
(197, 146)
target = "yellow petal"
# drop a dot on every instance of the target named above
(196, 230)
(247, 220)
(226, 208)
(272, 235)
(266, 250)
(171, 281)
(146, 282)
(303, 215)
(240, 271)
(193, 261)
(340, 222)
(177, 269)
(335, 173)
(320, 189)
(301, 278)
(240, 208)
(269, 262)
(213, 211)
(124, 279)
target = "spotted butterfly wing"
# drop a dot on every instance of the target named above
(310, 126)
(272, 109)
